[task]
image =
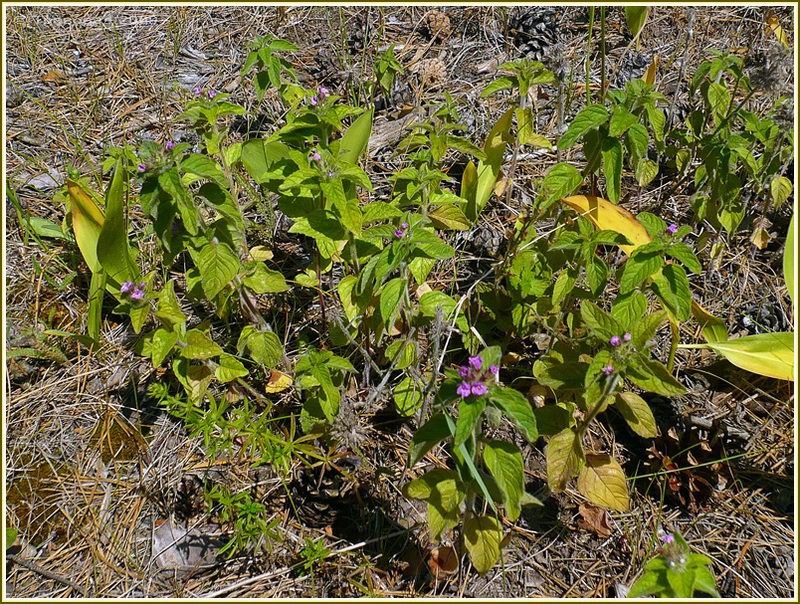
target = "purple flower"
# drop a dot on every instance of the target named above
(464, 390)
(137, 295)
(672, 229)
(322, 92)
(494, 369)
(316, 156)
(463, 371)
(479, 389)
(141, 285)
(615, 341)
(197, 90)
(404, 225)
(126, 287)
(627, 337)
(608, 369)
(314, 101)
(475, 362)
(399, 233)
(668, 538)
(170, 145)
(141, 168)
(212, 93)
(330, 174)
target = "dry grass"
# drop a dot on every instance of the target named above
(92, 469)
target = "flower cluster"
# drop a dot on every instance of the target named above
(315, 155)
(616, 341)
(322, 94)
(135, 290)
(475, 378)
(198, 90)
(399, 233)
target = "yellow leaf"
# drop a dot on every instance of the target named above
(278, 382)
(650, 75)
(607, 216)
(769, 354)
(780, 34)
(482, 538)
(260, 253)
(87, 222)
(760, 238)
(602, 482)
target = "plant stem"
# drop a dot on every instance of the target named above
(588, 61)
(602, 53)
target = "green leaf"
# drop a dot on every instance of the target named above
(646, 171)
(517, 409)
(489, 170)
(602, 482)
(719, 100)
(449, 217)
(612, 167)
(11, 536)
(705, 582)
(391, 297)
(657, 120)
(603, 325)
(482, 538)
(402, 353)
(635, 17)
(204, 167)
(552, 419)
(563, 286)
(652, 376)
(354, 141)
(441, 490)
(87, 223)
(681, 581)
(684, 254)
(501, 83)
(379, 210)
(638, 268)
(769, 354)
(194, 378)
(218, 265)
(229, 369)
(112, 243)
(564, 455)
(781, 189)
(470, 410)
(265, 281)
(263, 346)
(672, 287)
(637, 414)
(587, 118)
(629, 308)
(161, 344)
(259, 158)
(169, 310)
(407, 397)
(170, 182)
(560, 180)
(434, 431)
(199, 346)
(621, 120)
(646, 327)
(649, 583)
(637, 140)
(504, 462)
(97, 289)
(788, 260)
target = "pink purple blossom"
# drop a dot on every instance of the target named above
(668, 538)
(627, 337)
(615, 341)
(170, 145)
(608, 369)
(672, 229)
(212, 93)
(141, 168)
(474, 378)
(316, 156)
(464, 389)
(197, 90)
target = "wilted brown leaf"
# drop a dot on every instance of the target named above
(594, 519)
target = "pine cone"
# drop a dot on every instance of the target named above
(431, 71)
(534, 31)
(436, 25)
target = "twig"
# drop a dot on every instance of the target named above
(33, 567)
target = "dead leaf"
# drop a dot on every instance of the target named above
(594, 519)
(278, 382)
(443, 561)
(54, 76)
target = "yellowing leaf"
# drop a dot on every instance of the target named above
(769, 354)
(637, 413)
(564, 457)
(780, 34)
(260, 253)
(788, 260)
(649, 76)
(87, 222)
(482, 537)
(278, 382)
(607, 216)
(602, 482)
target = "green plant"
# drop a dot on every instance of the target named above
(252, 528)
(488, 473)
(676, 572)
(314, 552)
(387, 68)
